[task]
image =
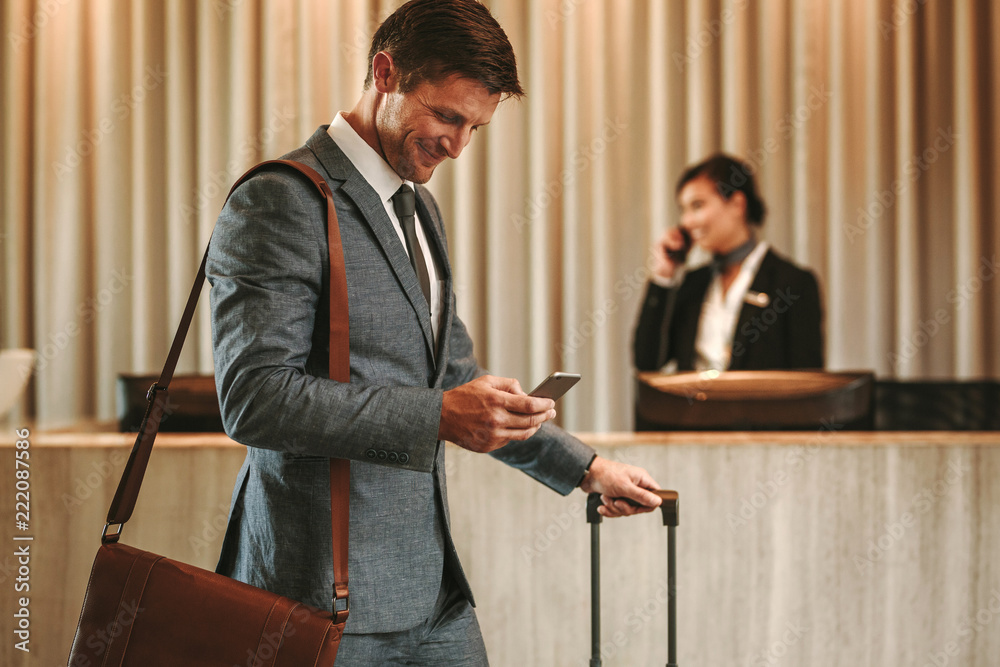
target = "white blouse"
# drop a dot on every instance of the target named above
(720, 312)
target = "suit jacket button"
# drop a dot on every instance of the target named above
(404, 457)
(382, 455)
(370, 453)
(393, 457)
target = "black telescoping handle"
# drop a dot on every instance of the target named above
(594, 519)
(670, 508)
(671, 599)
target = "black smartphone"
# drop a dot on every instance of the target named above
(680, 256)
(555, 385)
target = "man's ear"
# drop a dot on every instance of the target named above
(384, 73)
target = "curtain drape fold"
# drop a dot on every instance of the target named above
(870, 126)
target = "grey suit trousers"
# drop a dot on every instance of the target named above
(450, 637)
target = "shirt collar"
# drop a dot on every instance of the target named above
(373, 168)
(755, 257)
(735, 256)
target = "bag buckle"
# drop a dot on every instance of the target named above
(108, 537)
(341, 607)
(151, 392)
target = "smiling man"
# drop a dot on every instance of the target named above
(437, 71)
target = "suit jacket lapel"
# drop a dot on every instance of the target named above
(763, 282)
(357, 189)
(688, 316)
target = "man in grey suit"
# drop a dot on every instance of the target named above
(437, 71)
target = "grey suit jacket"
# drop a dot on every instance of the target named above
(269, 270)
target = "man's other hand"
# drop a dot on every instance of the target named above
(612, 480)
(487, 413)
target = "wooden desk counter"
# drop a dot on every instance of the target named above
(106, 438)
(811, 548)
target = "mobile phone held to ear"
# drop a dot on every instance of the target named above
(555, 385)
(680, 256)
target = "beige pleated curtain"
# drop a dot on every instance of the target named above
(872, 126)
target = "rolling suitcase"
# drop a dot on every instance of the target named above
(670, 510)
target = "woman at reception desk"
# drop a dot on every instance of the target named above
(749, 308)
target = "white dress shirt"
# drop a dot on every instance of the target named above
(386, 182)
(720, 313)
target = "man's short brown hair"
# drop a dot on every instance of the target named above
(430, 40)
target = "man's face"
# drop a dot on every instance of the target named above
(434, 121)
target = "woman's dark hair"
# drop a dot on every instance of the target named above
(432, 39)
(730, 175)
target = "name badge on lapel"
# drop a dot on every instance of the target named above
(758, 299)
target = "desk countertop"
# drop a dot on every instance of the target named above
(89, 436)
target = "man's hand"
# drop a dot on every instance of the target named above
(487, 413)
(619, 480)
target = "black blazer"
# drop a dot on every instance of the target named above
(786, 333)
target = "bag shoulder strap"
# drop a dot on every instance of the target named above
(125, 497)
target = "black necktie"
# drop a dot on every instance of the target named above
(404, 201)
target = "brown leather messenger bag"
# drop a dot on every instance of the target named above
(144, 610)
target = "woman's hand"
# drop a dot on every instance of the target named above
(671, 241)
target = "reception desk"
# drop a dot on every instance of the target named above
(806, 548)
